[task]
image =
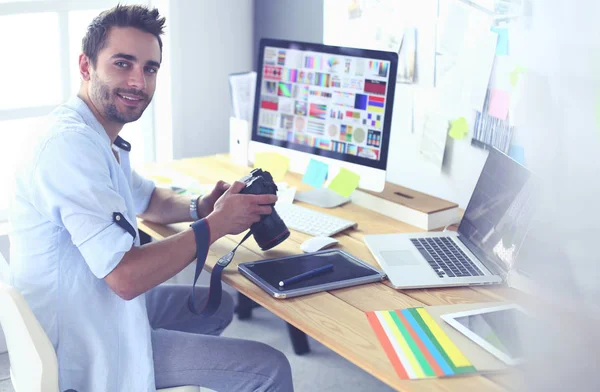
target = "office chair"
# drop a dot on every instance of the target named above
(33, 363)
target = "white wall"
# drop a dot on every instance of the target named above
(462, 163)
(4, 253)
(209, 40)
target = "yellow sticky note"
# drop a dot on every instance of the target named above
(458, 128)
(515, 74)
(456, 356)
(345, 182)
(274, 163)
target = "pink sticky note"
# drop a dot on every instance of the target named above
(499, 103)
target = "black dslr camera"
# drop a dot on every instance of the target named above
(270, 231)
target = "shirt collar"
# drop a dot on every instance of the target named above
(85, 112)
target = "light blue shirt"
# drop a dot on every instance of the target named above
(64, 241)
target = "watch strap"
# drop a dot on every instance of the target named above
(194, 208)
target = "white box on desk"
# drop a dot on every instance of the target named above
(239, 138)
(406, 205)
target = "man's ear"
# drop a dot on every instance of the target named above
(84, 67)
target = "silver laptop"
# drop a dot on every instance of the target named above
(486, 244)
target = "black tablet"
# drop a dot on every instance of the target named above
(296, 275)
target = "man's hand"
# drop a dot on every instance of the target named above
(234, 212)
(206, 203)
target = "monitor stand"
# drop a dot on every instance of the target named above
(322, 197)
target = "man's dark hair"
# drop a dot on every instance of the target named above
(137, 16)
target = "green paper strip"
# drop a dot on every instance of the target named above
(413, 346)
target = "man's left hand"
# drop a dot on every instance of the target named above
(206, 203)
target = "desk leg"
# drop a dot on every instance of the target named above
(299, 340)
(244, 307)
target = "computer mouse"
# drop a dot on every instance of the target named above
(317, 243)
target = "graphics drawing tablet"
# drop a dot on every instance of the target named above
(344, 270)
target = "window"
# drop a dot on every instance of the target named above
(40, 45)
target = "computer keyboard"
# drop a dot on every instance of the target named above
(445, 257)
(311, 222)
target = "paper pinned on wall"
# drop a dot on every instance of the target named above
(452, 27)
(274, 163)
(481, 61)
(499, 104)
(242, 88)
(345, 182)
(464, 81)
(459, 128)
(502, 45)
(433, 140)
(316, 173)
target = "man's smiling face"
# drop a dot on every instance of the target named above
(124, 79)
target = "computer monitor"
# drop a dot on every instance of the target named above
(328, 103)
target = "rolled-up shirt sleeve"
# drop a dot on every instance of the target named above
(72, 187)
(142, 189)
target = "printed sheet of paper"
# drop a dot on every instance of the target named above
(433, 140)
(463, 80)
(243, 87)
(479, 59)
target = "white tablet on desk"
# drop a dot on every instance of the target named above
(499, 330)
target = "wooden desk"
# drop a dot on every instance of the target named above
(336, 318)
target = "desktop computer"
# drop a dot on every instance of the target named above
(329, 103)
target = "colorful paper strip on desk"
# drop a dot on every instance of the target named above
(316, 173)
(416, 345)
(345, 182)
(274, 163)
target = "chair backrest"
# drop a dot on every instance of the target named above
(33, 363)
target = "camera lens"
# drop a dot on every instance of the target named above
(270, 231)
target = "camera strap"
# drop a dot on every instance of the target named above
(213, 302)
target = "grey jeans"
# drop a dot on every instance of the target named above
(188, 351)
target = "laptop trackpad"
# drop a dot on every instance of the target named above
(397, 258)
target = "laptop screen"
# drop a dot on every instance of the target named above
(499, 212)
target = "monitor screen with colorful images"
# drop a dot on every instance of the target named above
(324, 100)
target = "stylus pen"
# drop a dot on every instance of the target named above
(306, 275)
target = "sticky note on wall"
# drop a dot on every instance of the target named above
(274, 163)
(515, 74)
(499, 104)
(459, 128)
(517, 153)
(502, 44)
(344, 183)
(316, 173)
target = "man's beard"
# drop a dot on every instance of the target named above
(104, 99)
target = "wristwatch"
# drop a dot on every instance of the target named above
(194, 208)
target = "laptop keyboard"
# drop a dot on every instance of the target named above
(445, 257)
